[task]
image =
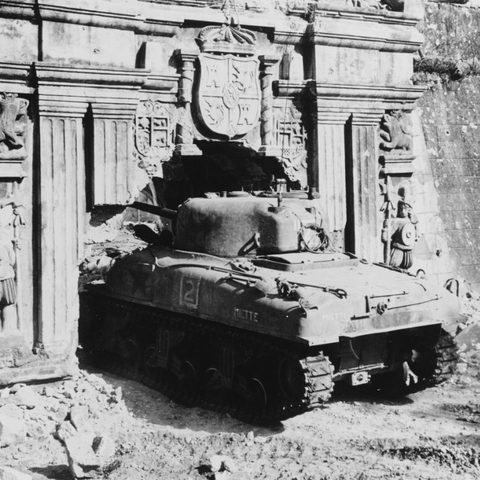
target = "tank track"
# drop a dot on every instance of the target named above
(447, 357)
(312, 374)
(438, 365)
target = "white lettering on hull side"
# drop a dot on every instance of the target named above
(248, 315)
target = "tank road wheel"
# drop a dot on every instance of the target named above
(150, 362)
(212, 390)
(189, 378)
(131, 357)
(257, 394)
(252, 402)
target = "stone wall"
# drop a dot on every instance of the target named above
(450, 122)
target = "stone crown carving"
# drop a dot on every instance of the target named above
(227, 39)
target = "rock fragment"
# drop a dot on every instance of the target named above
(82, 461)
(12, 431)
(8, 473)
(104, 448)
(26, 396)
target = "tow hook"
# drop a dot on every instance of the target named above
(408, 375)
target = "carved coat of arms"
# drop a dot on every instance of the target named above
(153, 135)
(228, 94)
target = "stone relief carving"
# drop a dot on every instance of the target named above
(154, 130)
(11, 220)
(290, 136)
(227, 38)
(13, 122)
(396, 131)
(228, 94)
(400, 233)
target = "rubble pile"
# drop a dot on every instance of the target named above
(64, 413)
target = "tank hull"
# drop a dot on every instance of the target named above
(268, 336)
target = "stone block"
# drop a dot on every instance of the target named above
(11, 411)
(19, 40)
(26, 396)
(105, 449)
(82, 461)
(12, 431)
(79, 419)
(8, 473)
(85, 45)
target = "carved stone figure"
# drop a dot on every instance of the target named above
(396, 131)
(401, 233)
(11, 219)
(13, 120)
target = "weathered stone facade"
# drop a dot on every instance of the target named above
(108, 94)
(448, 170)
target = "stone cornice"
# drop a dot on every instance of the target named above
(367, 117)
(355, 33)
(285, 88)
(406, 94)
(167, 84)
(54, 74)
(67, 91)
(330, 115)
(17, 8)
(16, 77)
(413, 14)
(101, 13)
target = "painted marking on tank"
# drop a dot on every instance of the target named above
(189, 291)
(241, 314)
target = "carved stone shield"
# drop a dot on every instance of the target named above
(228, 94)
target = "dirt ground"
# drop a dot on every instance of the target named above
(432, 434)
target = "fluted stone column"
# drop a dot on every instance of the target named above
(363, 235)
(113, 153)
(328, 166)
(61, 224)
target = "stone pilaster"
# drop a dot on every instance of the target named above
(184, 141)
(328, 165)
(113, 174)
(61, 221)
(362, 170)
(64, 95)
(267, 62)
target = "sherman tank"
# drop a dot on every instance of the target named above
(247, 309)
